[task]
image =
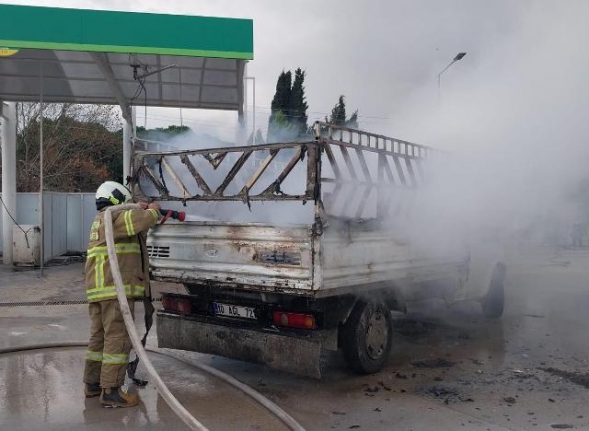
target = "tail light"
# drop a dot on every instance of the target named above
(294, 320)
(179, 305)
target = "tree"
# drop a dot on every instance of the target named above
(160, 133)
(297, 110)
(338, 115)
(288, 119)
(81, 146)
(280, 103)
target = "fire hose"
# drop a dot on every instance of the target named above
(162, 389)
(288, 420)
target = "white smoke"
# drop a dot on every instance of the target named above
(518, 132)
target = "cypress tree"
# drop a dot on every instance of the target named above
(297, 112)
(338, 113)
(280, 102)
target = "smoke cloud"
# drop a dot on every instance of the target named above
(517, 132)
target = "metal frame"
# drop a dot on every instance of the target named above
(215, 157)
(399, 165)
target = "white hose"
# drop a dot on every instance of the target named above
(135, 340)
(162, 389)
(288, 420)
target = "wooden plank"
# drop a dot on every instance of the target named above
(261, 169)
(234, 170)
(175, 178)
(197, 177)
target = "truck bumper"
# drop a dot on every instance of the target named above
(297, 355)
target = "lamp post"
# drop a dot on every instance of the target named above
(459, 56)
(253, 79)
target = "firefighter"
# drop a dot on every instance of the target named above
(110, 345)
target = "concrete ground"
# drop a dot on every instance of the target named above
(450, 368)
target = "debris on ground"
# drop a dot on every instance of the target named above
(581, 379)
(338, 413)
(412, 328)
(562, 426)
(448, 394)
(522, 374)
(509, 400)
(401, 376)
(433, 363)
(385, 387)
(441, 391)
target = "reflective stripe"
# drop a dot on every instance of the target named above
(107, 292)
(122, 248)
(115, 358)
(155, 214)
(99, 271)
(93, 356)
(129, 223)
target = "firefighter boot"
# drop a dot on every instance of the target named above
(92, 390)
(115, 397)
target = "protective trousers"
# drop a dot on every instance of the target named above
(109, 345)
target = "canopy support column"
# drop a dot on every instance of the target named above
(127, 149)
(8, 116)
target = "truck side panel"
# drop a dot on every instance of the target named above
(244, 255)
(358, 257)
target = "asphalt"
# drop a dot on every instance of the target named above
(450, 368)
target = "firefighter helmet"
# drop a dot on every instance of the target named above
(111, 193)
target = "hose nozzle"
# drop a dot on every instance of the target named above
(176, 215)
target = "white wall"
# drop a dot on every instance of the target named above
(67, 218)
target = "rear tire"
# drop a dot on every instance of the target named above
(493, 303)
(367, 336)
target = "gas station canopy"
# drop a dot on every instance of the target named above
(120, 58)
(123, 58)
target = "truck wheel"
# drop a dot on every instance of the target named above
(493, 302)
(367, 337)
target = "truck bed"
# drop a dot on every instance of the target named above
(292, 260)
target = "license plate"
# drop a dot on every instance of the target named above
(233, 310)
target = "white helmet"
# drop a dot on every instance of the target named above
(111, 193)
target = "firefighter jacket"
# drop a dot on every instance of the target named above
(130, 232)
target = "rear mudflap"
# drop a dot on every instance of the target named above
(297, 355)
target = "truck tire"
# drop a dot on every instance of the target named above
(367, 337)
(493, 303)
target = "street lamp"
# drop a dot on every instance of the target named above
(459, 56)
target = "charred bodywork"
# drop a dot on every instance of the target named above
(325, 268)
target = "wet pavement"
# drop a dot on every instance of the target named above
(450, 368)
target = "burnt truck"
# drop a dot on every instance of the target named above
(292, 250)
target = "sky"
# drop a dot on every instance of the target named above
(513, 111)
(383, 55)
